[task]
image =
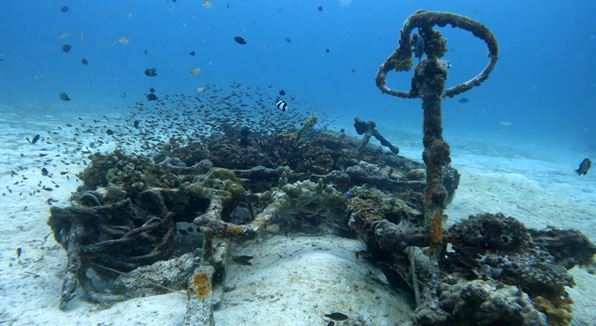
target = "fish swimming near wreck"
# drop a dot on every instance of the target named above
(195, 71)
(64, 97)
(34, 139)
(418, 46)
(242, 260)
(281, 105)
(151, 72)
(240, 40)
(337, 316)
(584, 166)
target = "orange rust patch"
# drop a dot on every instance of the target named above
(202, 285)
(436, 230)
(235, 229)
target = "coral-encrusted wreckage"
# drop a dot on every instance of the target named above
(144, 225)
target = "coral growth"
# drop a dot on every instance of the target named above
(490, 232)
(132, 173)
(496, 248)
(480, 302)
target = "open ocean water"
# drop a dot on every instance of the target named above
(542, 90)
(79, 72)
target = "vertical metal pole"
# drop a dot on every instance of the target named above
(430, 82)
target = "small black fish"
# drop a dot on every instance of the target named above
(34, 139)
(84, 61)
(584, 166)
(282, 92)
(64, 96)
(124, 94)
(288, 40)
(418, 46)
(337, 316)
(151, 72)
(251, 198)
(320, 8)
(362, 254)
(145, 52)
(19, 252)
(66, 48)
(242, 260)
(44, 172)
(50, 201)
(327, 50)
(464, 100)
(151, 90)
(110, 132)
(353, 70)
(64, 9)
(192, 53)
(240, 40)
(151, 97)
(136, 123)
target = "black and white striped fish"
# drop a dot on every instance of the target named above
(281, 105)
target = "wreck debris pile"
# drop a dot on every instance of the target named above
(126, 215)
(141, 226)
(368, 129)
(123, 240)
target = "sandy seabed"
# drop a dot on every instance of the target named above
(293, 281)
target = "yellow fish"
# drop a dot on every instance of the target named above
(200, 89)
(207, 4)
(123, 40)
(195, 71)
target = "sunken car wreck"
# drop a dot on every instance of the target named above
(141, 226)
(144, 225)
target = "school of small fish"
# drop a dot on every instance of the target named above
(59, 151)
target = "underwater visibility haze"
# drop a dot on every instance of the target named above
(544, 82)
(211, 162)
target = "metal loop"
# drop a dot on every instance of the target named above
(401, 59)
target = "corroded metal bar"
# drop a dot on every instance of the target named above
(221, 228)
(429, 85)
(199, 307)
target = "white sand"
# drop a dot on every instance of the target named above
(540, 189)
(297, 279)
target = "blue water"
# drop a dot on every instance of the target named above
(543, 89)
(541, 97)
